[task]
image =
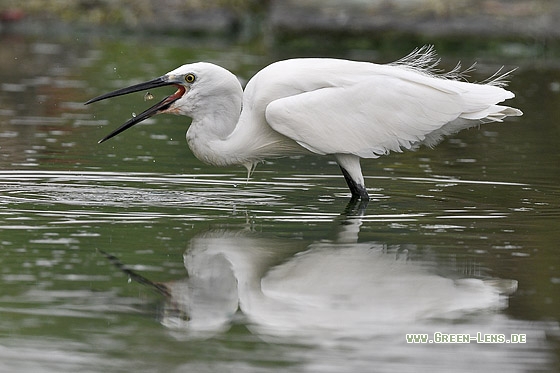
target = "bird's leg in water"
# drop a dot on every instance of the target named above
(355, 207)
(352, 171)
(358, 191)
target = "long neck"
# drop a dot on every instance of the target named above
(222, 134)
(214, 124)
(226, 137)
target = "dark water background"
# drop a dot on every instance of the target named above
(321, 288)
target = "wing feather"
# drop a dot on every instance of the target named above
(372, 117)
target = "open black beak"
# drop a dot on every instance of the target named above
(157, 108)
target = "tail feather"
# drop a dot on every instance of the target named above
(480, 101)
(494, 113)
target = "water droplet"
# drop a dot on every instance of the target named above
(134, 115)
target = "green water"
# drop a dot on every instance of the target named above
(314, 278)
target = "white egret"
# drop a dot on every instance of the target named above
(346, 109)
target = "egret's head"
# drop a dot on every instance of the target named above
(195, 83)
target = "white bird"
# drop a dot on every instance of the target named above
(347, 109)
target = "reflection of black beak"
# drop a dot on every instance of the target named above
(157, 108)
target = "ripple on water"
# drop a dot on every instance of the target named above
(92, 194)
(126, 189)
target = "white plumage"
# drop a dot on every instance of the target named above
(346, 109)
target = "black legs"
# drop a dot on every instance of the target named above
(358, 191)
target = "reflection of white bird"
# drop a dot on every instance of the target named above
(344, 288)
(338, 286)
(346, 109)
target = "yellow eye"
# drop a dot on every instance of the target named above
(190, 78)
